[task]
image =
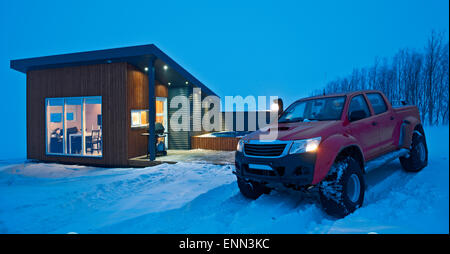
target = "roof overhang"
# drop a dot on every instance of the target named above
(139, 56)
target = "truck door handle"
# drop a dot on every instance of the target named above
(374, 123)
(392, 118)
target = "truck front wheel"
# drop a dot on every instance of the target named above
(342, 191)
(418, 155)
(251, 189)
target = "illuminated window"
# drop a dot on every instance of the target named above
(139, 118)
(74, 126)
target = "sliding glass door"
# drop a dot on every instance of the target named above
(161, 117)
(93, 126)
(55, 125)
(74, 126)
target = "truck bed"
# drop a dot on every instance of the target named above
(406, 111)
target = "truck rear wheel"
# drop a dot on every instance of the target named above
(342, 191)
(418, 156)
(251, 189)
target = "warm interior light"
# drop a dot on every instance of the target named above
(146, 68)
(165, 67)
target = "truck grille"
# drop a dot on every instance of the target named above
(264, 149)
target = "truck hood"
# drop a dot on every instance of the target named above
(295, 131)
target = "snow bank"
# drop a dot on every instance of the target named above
(204, 198)
(83, 201)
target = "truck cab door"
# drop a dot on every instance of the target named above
(361, 125)
(385, 123)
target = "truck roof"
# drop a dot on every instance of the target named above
(340, 94)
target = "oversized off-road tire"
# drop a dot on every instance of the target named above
(342, 191)
(418, 155)
(251, 189)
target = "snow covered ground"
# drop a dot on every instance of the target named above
(204, 198)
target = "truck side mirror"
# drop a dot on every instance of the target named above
(357, 115)
(278, 105)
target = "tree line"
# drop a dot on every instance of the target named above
(418, 77)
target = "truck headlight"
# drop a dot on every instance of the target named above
(240, 145)
(305, 145)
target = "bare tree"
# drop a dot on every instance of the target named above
(420, 78)
(431, 64)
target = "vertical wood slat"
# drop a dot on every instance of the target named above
(214, 143)
(137, 98)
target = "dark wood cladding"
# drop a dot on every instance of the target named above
(161, 90)
(214, 143)
(137, 98)
(105, 80)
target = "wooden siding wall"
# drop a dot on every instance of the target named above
(214, 143)
(137, 98)
(105, 80)
(161, 90)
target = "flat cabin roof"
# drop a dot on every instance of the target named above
(139, 56)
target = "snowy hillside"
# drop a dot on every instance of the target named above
(203, 198)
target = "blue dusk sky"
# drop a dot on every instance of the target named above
(282, 48)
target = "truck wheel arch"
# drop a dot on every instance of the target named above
(331, 149)
(353, 151)
(409, 125)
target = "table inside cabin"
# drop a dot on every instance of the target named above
(75, 142)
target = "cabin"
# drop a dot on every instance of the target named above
(100, 107)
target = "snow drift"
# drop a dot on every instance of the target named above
(204, 198)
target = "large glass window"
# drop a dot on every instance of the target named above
(74, 126)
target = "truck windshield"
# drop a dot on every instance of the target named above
(320, 109)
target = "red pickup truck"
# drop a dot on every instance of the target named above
(330, 142)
